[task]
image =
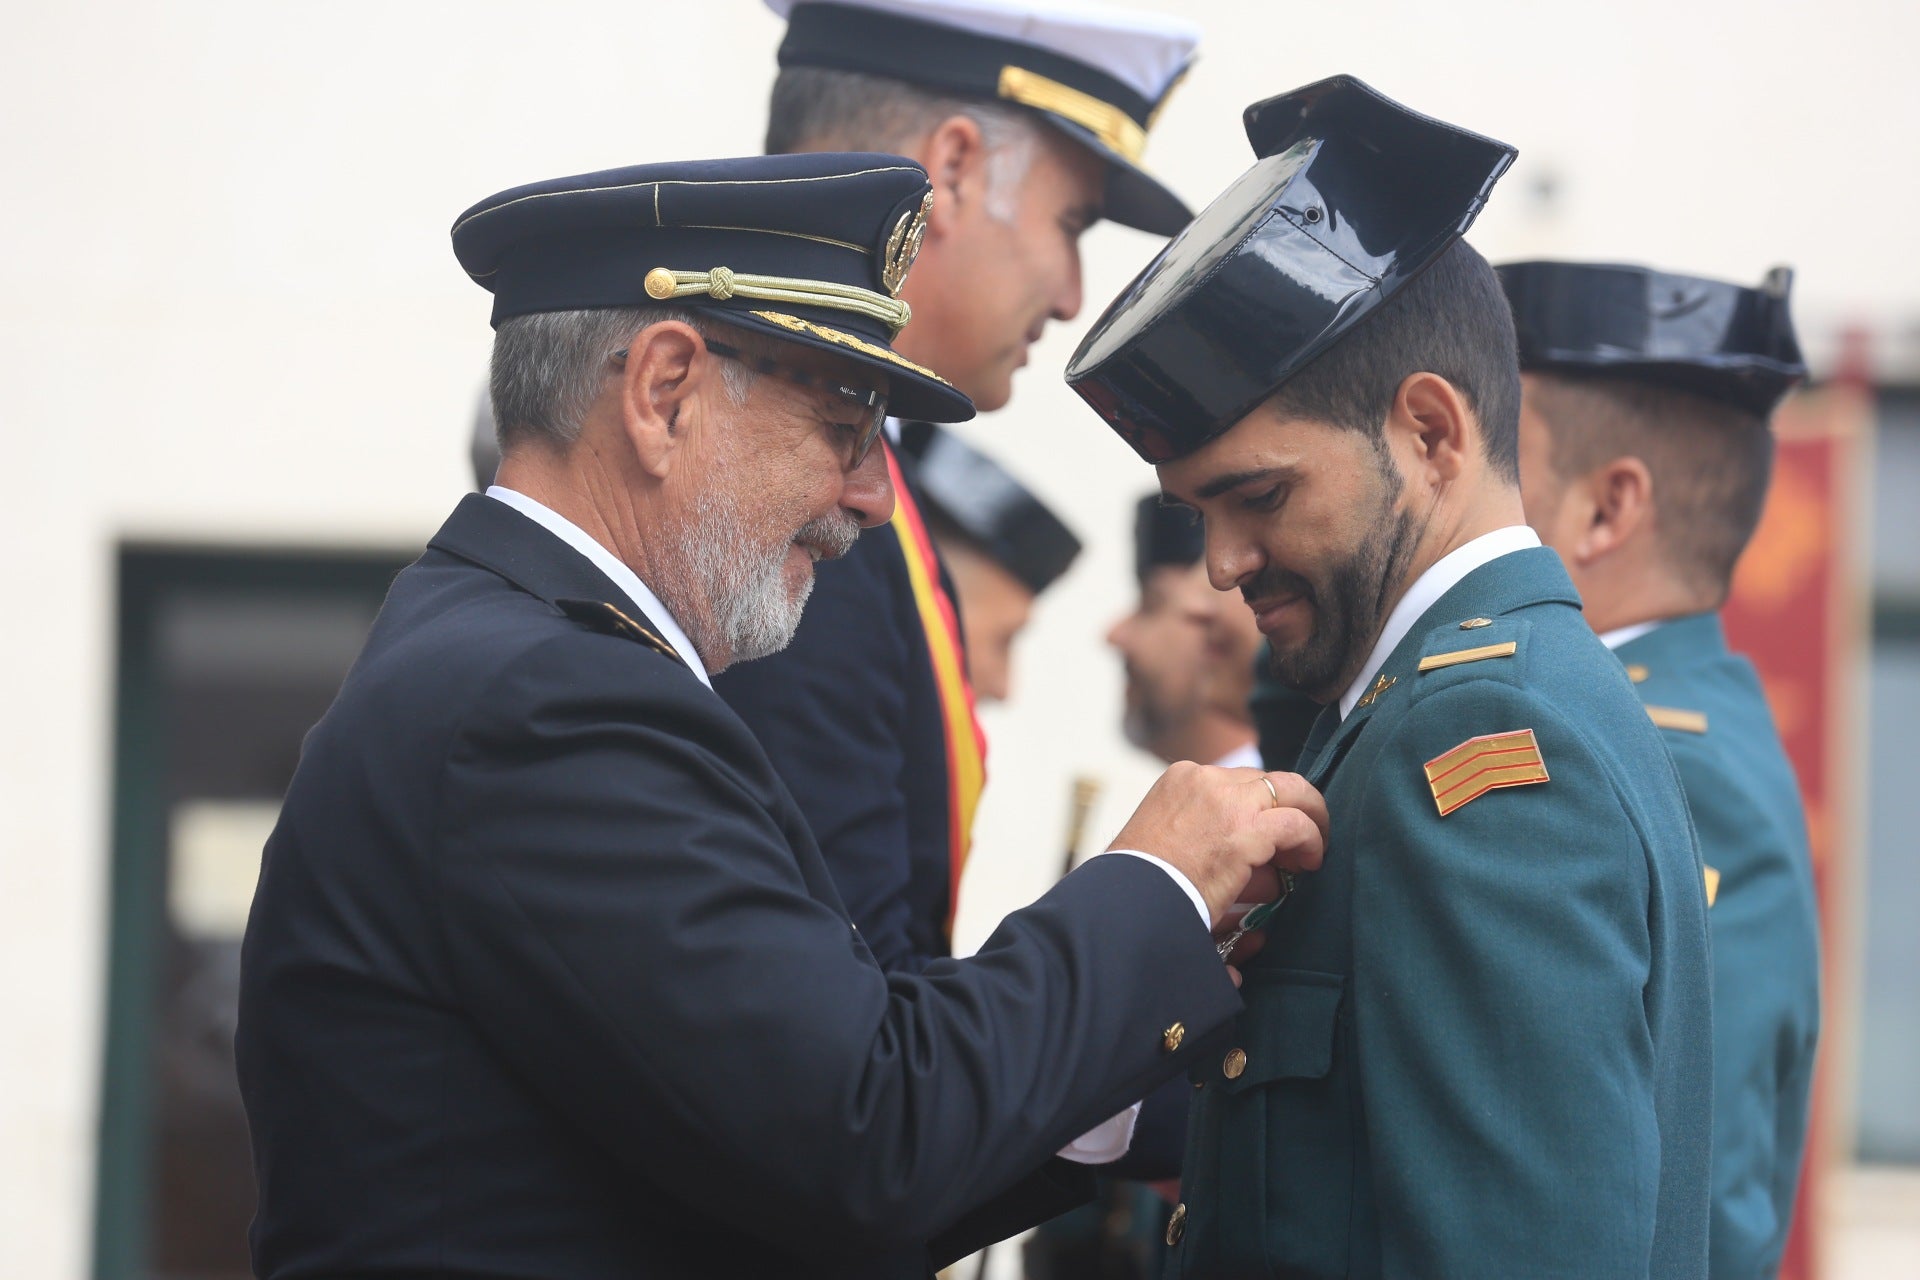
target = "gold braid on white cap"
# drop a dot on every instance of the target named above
(664, 284)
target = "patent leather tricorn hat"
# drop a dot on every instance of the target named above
(1353, 196)
(983, 500)
(1725, 342)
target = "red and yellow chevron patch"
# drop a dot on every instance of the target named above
(1484, 764)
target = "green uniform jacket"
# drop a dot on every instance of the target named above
(1766, 944)
(1478, 1044)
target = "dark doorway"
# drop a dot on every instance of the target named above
(226, 659)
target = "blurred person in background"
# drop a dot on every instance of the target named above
(1001, 546)
(1645, 454)
(1478, 1041)
(1031, 121)
(1188, 649)
(544, 974)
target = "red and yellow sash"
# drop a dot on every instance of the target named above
(966, 745)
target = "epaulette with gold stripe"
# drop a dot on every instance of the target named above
(1435, 661)
(610, 620)
(1676, 718)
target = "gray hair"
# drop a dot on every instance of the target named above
(817, 109)
(549, 367)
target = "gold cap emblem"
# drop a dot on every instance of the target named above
(903, 246)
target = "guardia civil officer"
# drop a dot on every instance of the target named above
(1001, 545)
(545, 976)
(1478, 1041)
(1031, 123)
(1644, 459)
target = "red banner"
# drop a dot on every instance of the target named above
(1798, 610)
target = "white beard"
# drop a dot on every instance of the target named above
(744, 586)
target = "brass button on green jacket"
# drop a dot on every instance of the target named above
(1477, 1042)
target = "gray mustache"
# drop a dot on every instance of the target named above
(831, 535)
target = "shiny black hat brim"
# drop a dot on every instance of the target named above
(913, 391)
(1134, 198)
(1710, 338)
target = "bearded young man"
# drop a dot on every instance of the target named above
(1031, 122)
(1645, 453)
(544, 975)
(1477, 1043)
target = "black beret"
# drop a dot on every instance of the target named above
(980, 498)
(1354, 195)
(810, 249)
(1721, 341)
(1166, 534)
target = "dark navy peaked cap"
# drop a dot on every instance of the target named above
(1166, 534)
(980, 498)
(810, 249)
(1098, 75)
(1353, 196)
(1727, 343)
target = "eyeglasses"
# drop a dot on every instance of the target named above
(870, 405)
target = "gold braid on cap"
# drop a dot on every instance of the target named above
(664, 284)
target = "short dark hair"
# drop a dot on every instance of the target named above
(821, 108)
(1452, 320)
(1711, 462)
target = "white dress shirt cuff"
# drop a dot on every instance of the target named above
(1104, 1143)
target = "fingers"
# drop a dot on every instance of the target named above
(1295, 792)
(1247, 948)
(1299, 843)
(1262, 886)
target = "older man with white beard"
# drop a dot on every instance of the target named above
(545, 975)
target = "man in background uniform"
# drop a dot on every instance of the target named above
(1477, 1042)
(1645, 454)
(1000, 544)
(1188, 649)
(1031, 125)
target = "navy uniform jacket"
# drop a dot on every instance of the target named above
(1766, 945)
(546, 978)
(1476, 1044)
(850, 716)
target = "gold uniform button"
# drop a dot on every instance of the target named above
(1173, 1035)
(1636, 673)
(1474, 624)
(1176, 1225)
(1235, 1064)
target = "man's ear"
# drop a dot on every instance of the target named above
(955, 157)
(1619, 500)
(1432, 428)
(662, 370)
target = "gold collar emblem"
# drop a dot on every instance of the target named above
(903, 246)
(1380, 686)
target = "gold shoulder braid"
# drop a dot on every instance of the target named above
(610, 620)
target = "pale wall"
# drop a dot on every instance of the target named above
(231, 316)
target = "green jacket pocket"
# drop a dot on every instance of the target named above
(1268, 1184)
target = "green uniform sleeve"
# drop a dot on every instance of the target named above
(1501, 955)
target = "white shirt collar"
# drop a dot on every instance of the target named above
(1426, 592)
(608, 563)
(1245, 756)
(1624, 635)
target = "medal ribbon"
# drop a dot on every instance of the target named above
(966, 745)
